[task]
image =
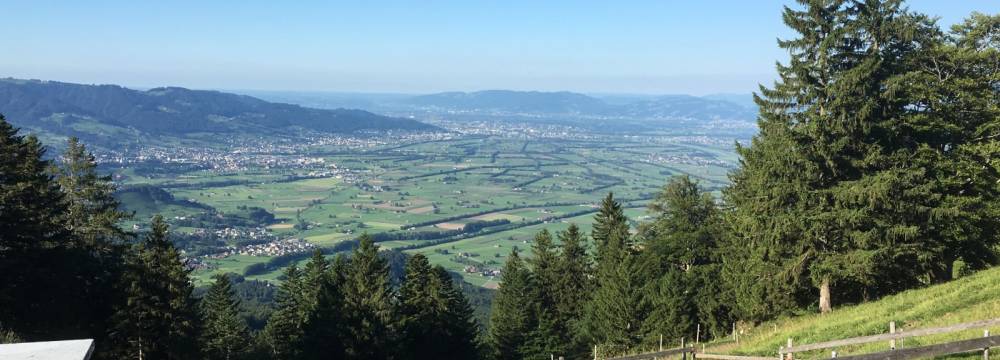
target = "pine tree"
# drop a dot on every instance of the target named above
(551, 336)
(544, 264)
(93, 213)
(282, 337)
(33, 243)
(224, 333)
(610, 219)
(314, 275)
(511, 317)
(417, 310)
(573, 288)
(435, 318)
(460, 327)
(947, 132)
(159, 319)
(325, 330)
(681, 254)
(859, 169)
(614, 314)
(368, 303)
(773, 192)
(93, 217)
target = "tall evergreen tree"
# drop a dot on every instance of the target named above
(461, 330)
(614, 314)
(92, 212)
(224, 333)
(368, 304)
(609, 220)
(511, 317)
(33, 243)
(682, 256)
(436, 319)
(325, 330)
(92, 216)
(159, 319)
(419, 324)
(544, 264)
(832, 191)
(550, 336)
(282, 337)
(573, 288)
(772, 194)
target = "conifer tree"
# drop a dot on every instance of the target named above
(573, 288)
(224, 333)
(282, 337)
(544, 264)
(551, 335)
(33, 266)
(460, 327)
(93, 213)
(314, 275)
(859, 168)
(614, 314)
(325, 330)
(417, 310)
(511, 317)
(368, 303)
(92, 216)
(681, 254)
(610, 219)
(159, 319)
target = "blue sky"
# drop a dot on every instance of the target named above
(656, 46)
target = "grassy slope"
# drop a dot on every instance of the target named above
(975, 297)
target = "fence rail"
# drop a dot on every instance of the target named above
(891, 336)
(961, 346)
(658, 354)
(729, 357)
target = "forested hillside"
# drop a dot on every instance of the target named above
(89, 110)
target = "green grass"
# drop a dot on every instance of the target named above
(229, 264)
(971, 298)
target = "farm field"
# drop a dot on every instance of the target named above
(441, 187)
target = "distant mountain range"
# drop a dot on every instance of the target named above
(512, 101)
(569, 103)
(107, 110)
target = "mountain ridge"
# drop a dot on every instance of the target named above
(61, 107)
(571, 103)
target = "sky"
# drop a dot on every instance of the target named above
(635, 47)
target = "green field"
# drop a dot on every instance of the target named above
(444, 185)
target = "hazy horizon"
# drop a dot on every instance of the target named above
(642, 47)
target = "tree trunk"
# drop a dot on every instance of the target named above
(824, 296)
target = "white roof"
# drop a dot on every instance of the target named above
(48, 350)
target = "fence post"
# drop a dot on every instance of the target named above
(986, 351)
(789, 347)
(684, 354)
(661, 342)
(697, 335)
(833, 354)
(595, 352)
(892, 330)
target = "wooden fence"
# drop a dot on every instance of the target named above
(787, 352)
